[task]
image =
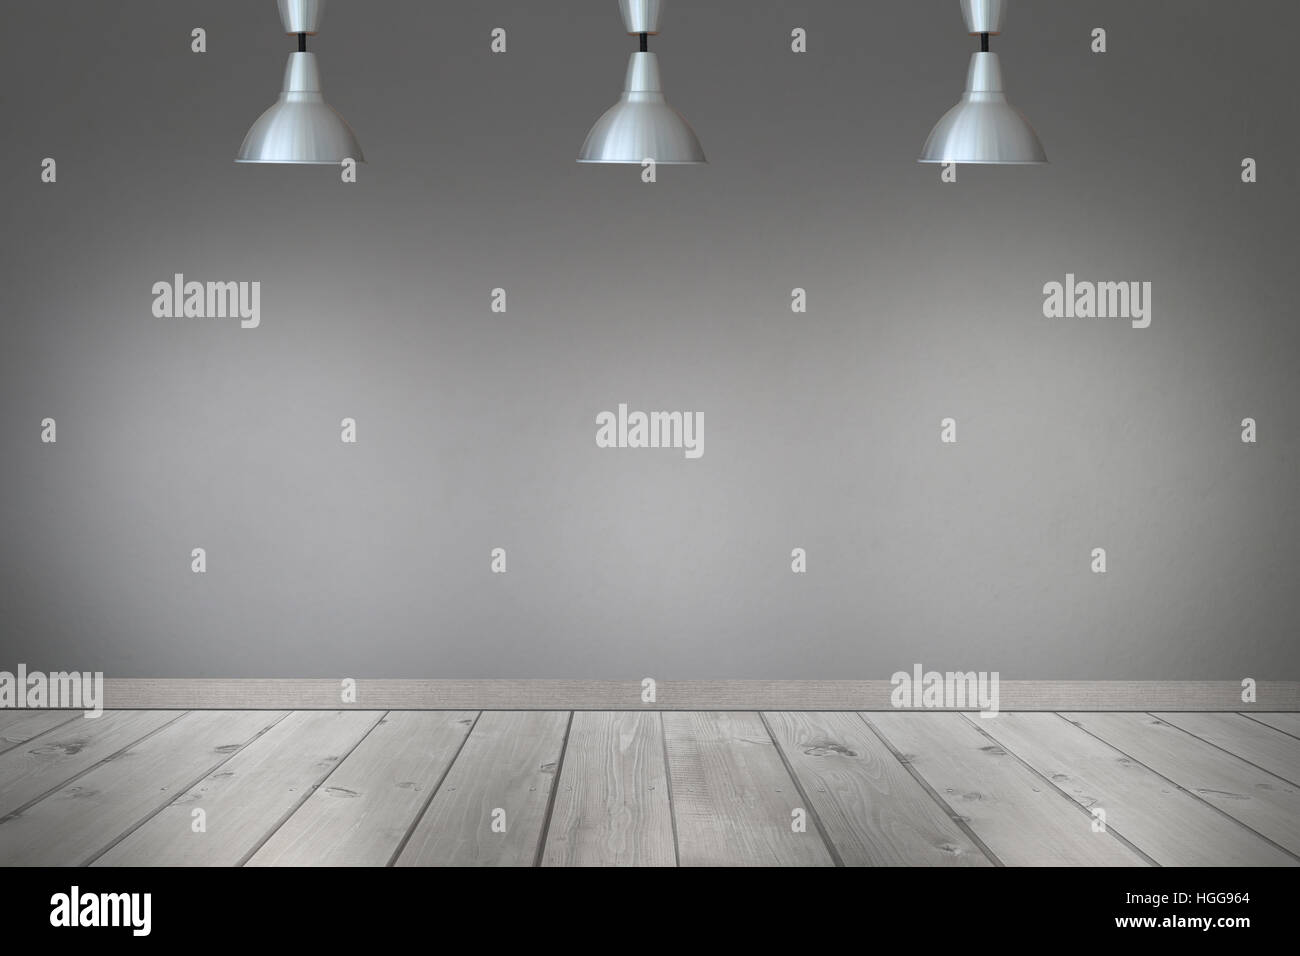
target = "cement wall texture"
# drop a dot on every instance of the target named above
(822, 430)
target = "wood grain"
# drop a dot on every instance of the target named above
(74, 824)
(248, 797)
(1021, 818)
(611, 806)
(508, 763)
(1165, 822)
(47, 762)
(871, 809)
(732, 796)
(1265, 747)
(362, 812)
(19, 726)
(1265, 803)
(774, 695)
(1287, 723)
(339, 787)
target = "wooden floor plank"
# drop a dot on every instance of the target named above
(648, 788)
(47, 762)
(871, 809)
(1165, 822)
(611, 805)
(248, 797)
(74, 824)
(732, 796)
(1265, 747)
(1287, 723)
(362, 812)
(1022, 819)
(19, 726)
(1265, 803)
(508, 763)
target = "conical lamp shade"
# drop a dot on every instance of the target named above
(300, 127)
(983, 127)
(641, 125)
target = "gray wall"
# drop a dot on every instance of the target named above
(477, 430)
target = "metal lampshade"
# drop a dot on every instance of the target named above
(983, 127)
(300, 127)
(641, 125)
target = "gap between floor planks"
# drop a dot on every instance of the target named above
(830, 836)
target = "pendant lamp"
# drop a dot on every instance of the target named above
(300, 127)
(641, 125)
(983, 127)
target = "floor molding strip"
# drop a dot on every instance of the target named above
(820, 695)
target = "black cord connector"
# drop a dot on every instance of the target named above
(984, 43)
(645, 44)
(302, 43)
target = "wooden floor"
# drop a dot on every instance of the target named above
(553, 788)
